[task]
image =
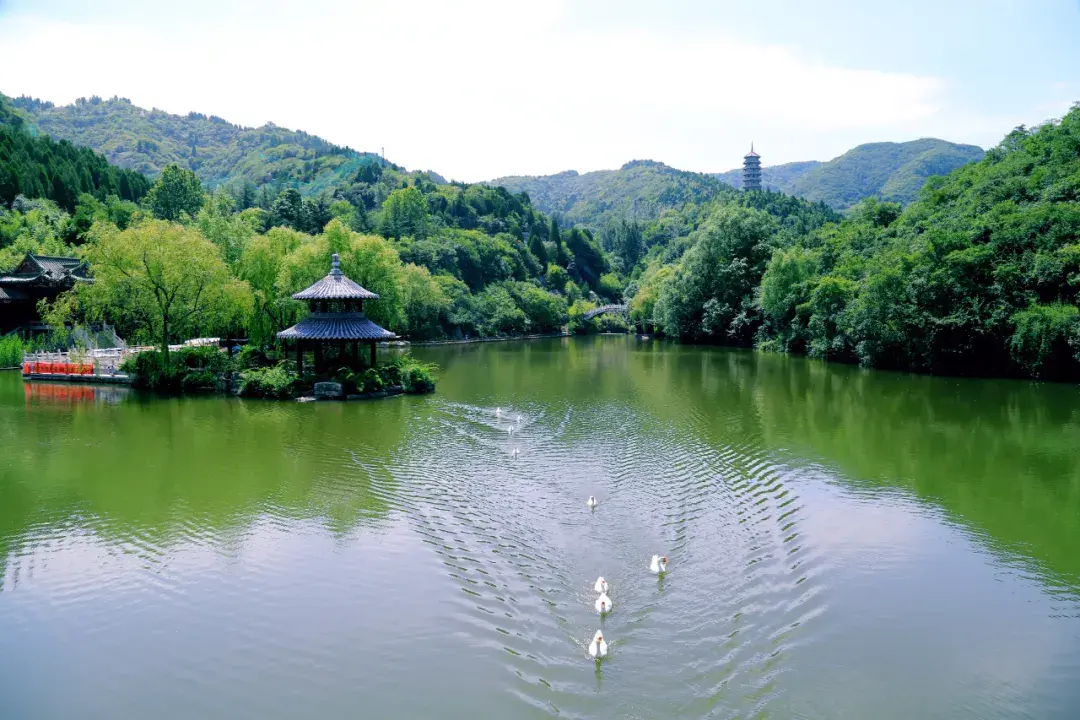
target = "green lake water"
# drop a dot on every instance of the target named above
(843, 544)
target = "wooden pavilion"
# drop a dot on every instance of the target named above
(337, 320)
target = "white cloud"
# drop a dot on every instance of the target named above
(472, 89)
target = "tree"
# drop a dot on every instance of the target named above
(164, 277)
(712, 293)
(536, 247)
(405, 214)
(175, 194)
(425, 302)
(288, 210)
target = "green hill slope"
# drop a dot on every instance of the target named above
(639, 190)
(776, 177)
(40, 167)
(890, 171)
(218, 151)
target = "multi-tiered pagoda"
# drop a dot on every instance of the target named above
(337, 321)
(751, 171)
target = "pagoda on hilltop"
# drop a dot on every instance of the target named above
(751, 170)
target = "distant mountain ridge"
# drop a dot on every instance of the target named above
(640, 190)
(886, 170)
(218, 151)
(643, 189)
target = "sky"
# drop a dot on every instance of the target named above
(478, 89)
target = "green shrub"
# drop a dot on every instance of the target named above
(347, 377)
(189, 369)
(412, 375)
(270, 382)
(390, 373)
(12, 349)
(610, 323)
(251, 357)
(417, 379)
(148, 372)
(370, 381)
(198, 379)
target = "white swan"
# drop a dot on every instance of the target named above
(659, 564)
(510, 430)
(519, 420)
(603, 604)
(498, 412)
(591, 502)
(598, 646)
(601, 585)
(515, 453)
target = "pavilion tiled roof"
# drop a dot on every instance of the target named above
(336, 326)
(10, 293)
(57, 266)
(335, 286)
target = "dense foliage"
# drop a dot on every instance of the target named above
(39, 167)
(979, 275)
(448, 260)
(12, 349)
(641, 190)
(890, 171)
(218, 151)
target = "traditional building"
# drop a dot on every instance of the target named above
(36, 278)
(751, 173)
(337, 321)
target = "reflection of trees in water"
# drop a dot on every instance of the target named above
(999, 456)
(170, 471)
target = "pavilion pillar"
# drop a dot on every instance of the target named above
(318, 357)
(299, 358)
(372, 353)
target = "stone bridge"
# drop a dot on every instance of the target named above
(618, 309)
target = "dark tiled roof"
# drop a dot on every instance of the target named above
(52, 263)
(37, 268)
(336, 326)
(10, 293)
(335, 286)
(19, 278)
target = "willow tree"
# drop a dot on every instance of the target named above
(162, 279)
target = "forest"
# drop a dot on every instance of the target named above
(39, 167)
(888, 171)
(977, 275)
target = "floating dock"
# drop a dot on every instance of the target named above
(117, 379)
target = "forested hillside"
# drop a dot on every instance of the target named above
(888, 171)
(218, 151)
(978, 276)
(38, 167)
(647, 209)
(640, 190)
(773, 177)
(447, 259)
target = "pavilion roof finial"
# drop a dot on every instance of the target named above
(335, 265)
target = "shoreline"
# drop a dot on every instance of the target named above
(538, 336)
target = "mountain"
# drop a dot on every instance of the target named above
(639, 190)
(890, 171)
(218, 151)
(40, 167)
(775, 177)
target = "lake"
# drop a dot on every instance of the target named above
(842, 543)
